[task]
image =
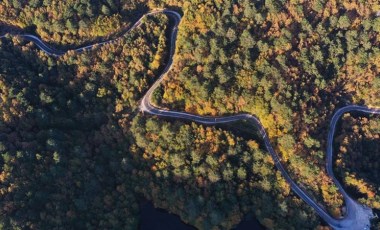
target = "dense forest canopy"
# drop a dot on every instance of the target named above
(358, 150)
(76, 152)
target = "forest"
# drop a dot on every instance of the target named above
(76, 152)
(358, 147)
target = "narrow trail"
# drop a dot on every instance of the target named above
(357, 216)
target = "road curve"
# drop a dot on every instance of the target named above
(357, 216)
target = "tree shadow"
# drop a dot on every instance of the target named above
(57, 158)
(362, 156)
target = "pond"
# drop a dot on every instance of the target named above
(157, 219)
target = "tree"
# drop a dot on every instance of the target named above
(231, 35)
(344, 22)
(272, 6)
(105, 10)
(17, 4)
(376, 25)
(246, 40)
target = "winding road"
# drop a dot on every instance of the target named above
(357, 216)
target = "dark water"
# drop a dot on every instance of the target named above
(159, 219)
(249, 224)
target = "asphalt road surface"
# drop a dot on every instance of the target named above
(357, 216)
